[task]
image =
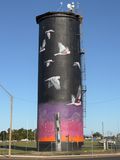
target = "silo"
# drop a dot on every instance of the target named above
(60, 109)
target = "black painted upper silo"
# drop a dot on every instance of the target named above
(59, 77)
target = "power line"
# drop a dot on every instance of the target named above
(104, 101)
(25, 100)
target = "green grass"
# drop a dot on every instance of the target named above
(30, 148)
(18, 147)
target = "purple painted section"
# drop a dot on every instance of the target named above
(70, 116)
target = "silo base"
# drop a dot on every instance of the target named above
(51, 146)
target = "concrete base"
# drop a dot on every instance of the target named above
(51, 146)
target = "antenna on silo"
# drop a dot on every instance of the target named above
(77, 7)
(71, 7)
(61, 6)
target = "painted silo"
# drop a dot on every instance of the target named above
(60, 110)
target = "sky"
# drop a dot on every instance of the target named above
(19, 61)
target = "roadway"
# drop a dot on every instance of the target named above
(65, 157)
(102, 158)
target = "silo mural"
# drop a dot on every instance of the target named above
(59, 80)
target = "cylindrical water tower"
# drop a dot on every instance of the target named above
(60, 109)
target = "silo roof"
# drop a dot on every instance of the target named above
(58, 14)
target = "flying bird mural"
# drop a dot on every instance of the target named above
(76, 100)
(54, 81)
(48, 62)
(42, 48)
(76, 64)
(48, 32)
(62, 50)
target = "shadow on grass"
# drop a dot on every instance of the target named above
(25, 148)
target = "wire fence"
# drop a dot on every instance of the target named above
(30, 147)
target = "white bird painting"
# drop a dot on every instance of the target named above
(62, 50)
(76, 64)
(54, 81)
(48, 62)
(76, 101)
(42, 48)
(78, 97)
(48, 32)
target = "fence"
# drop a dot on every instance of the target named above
(30, 147)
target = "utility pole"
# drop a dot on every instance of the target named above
(103, 129)
(104, 140)
(92, 142)
(11, 111)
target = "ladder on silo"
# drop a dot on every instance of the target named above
(83, 79)
(83, 75)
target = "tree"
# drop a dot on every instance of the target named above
(3, 135)
(18, 134)
(15, 134)
(30, 134)
(97, 134)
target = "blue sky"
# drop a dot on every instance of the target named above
(19, 61)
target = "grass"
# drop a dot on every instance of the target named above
(18, 147)
(30, 148)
